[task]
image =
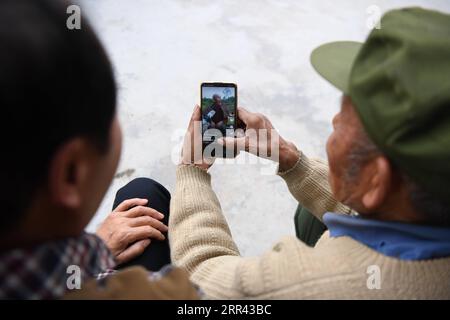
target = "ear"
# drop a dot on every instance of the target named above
(68, 172)
(379, 183)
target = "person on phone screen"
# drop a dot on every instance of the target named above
(217, 120)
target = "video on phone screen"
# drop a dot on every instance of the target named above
(218, 112)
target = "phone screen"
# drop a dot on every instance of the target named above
(219, 110)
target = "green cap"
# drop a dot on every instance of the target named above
(399, 82)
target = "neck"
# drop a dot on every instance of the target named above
(397, 208)
(39, 226)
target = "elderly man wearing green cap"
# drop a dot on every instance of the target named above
(384, 194)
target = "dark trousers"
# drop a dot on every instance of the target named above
(157, 254)
(307, 227)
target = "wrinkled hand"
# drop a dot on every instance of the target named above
(128, 230)
(262, 140)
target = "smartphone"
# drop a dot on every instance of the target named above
(219, 114)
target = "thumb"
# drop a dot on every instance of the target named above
(196, 116)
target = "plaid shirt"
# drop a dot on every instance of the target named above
(41, 272)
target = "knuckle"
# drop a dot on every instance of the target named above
(142, 209)
(257, 119)
(147, 219)
(149, 230)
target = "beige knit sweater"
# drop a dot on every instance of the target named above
(336, 268)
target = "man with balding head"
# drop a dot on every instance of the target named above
(218, 115)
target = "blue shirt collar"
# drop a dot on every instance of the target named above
(395, 239)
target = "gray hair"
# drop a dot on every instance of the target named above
(435, 211)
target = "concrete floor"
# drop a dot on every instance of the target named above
(163, 50)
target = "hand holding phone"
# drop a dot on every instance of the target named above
(263, 140)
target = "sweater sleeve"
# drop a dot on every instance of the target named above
(201, 243)
(198, 229)
(200, 238)
(308, 183)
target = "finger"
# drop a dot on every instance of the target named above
(143, 211)
(148, 221)
(125, 205)
(133, 251)
(196, 115)
(144, 232)
(244, 115)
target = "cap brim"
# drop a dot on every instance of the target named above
(334, 62)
